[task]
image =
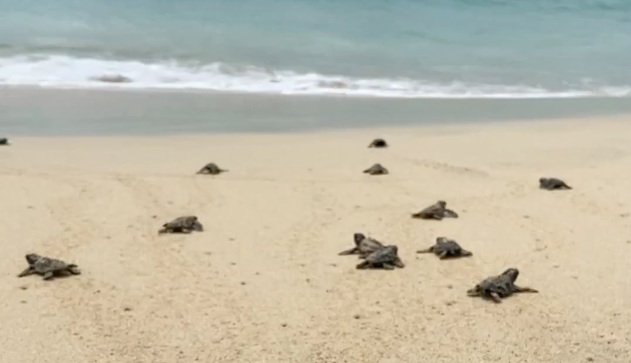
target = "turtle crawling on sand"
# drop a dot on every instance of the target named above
(378, 143)
(4, 141)
(185, 224)
(498, 287)
(212, 169)
(445, 248)
(376, 169)
(436, 211)
(552, 184)
(48, 267)
(386, 257)
(363, 246)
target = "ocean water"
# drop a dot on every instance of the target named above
(379, 48)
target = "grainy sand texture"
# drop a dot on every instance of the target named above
(264, 283)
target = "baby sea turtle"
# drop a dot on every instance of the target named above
(437, 211)
(185, 224)
(497, 287)
(376, 169)
(4, 141)
(552, 184)
(378, 143)
(386, 257)
(363, 246)
(48, 267)
(212, 169)
(445, 248)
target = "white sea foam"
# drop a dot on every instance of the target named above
(68, 72)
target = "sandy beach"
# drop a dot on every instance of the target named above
(264, 283)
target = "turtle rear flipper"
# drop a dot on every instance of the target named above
(493, 296)
(48, 275)
(351, 251)
(475, 291)
(74, 269)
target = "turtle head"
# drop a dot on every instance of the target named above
(512, 273)
(543, 180)
(441, 203)
(358, 237)
(31, 258)
(440, 240)
(394, 249)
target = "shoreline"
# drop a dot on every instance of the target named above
(39, 112)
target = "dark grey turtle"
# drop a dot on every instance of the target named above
(376, 169)
(386, 257)
(552, 184)
(185, 224)
(363, 246)
(4, 141)
(498, 287)
(48, 267)
(445, 248)
(212, 169)
(436, 211)
(378, 143)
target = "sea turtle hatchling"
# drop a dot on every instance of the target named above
(48, 267)
(363, 246)
(446, 248)
(212, 169)
(378, 143)
(498, 287)
(185, 224)
(386, 257)
(436, 211)
(4, 141)
(376, 169)
(552, 184)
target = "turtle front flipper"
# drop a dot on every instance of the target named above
(427, 250)
(465, 253)
(352, 251)
(362, 266)
(524, 289)
(28, 271)
(387, 266)
(399, 263)
(448, 213)
(443, 254)
(164, 230)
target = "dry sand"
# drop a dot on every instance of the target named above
(264, 282)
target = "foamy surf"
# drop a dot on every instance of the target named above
(68, 72)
